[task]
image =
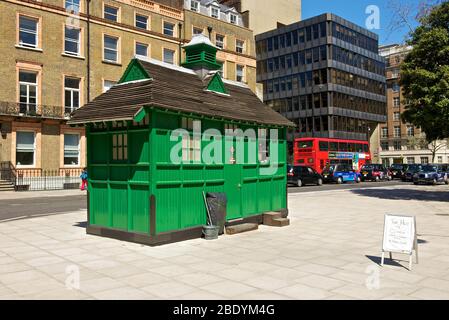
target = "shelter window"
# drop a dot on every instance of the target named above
(120, 146)
(191, 145)
(264, 145)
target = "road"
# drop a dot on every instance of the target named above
(349, 186)
(31, 207)
(24, 208)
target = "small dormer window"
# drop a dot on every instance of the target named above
(194, 5)
(215, 12)
(233, 18)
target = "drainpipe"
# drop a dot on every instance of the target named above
(209, 29)
(180, 41)
(88, 50)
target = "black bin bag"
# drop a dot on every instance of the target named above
(216, 203)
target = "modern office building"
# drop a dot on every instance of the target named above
(264, 15)
(324, 74)
(402, 142)
(59, 54)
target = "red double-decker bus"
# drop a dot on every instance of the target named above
(317, 153)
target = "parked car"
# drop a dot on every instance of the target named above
(375, 172)
(301, 176)
(398, 171)
(411, 170)
(431, 174)
(340, 173)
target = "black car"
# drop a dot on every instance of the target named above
(398, 171)
(431, 174)
(375, 172)
(411, 171)
(301, 176)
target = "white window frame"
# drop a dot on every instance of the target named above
(397, 131)
(396, 116)
(116, 50)
(384, 132)
(240, 49)
(113, 83)
(211, 12)
(71, 91)
(164, 29)
(137, 43)
(34, 149)
(78, 150)
(28, 85)
(70, 5)
(144, 16)
(174, 54)
(35, 33)
(117, 15)
(220, 44)
(236, 22)
(78, 43)
(410, 131)
(237, 73)
(194, 6)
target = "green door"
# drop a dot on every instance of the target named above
(233, 189)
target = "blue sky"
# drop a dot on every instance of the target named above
(354, 11)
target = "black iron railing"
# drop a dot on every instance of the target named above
(33, 110)
(40, 180)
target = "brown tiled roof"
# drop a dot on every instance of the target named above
(173, 89)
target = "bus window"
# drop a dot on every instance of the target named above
(305, 144)
(324, 146)
(365, 148)
(351, 147)
(342, 146)
(359, 147)
(333, 146)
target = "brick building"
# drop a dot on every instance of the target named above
(402, 142)
(59, 54)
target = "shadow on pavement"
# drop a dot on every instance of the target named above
(404, 194)
(387, 261)
(82, 224)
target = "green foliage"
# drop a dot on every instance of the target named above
(425, 75)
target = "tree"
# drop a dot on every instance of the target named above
(421, 143)
(425, 75)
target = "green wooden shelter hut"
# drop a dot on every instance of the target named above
(137, 192)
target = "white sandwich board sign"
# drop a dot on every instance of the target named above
(400, 237)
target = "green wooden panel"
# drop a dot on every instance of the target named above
(264, 196)
(119, 206)
(134, 71)
(139, 174)
(99, 206)
(138, 147)
(139, 209)
(233, 191)
(192, 173)
(119, 173)
(168, 173)
(193, 210)
(216, 84)
(98, 173)
(249, 195)
(99, 149)
(168, 207)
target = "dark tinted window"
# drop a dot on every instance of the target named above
(342, 147)
(324, 146)
(333, 146)
(365, 148)
(305, 144)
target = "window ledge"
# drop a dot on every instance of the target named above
(112, 63)
(73, 56)
(18, 46)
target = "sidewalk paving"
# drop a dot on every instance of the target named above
(330, 251)
(9, 195)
